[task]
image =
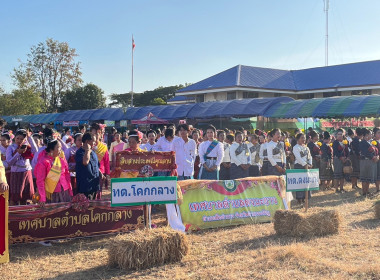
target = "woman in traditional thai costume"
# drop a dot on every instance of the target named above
(101, 151)
(211, 154)
(369, 157)
(315, 148)
(225, 166)
(303, 160)
(341, 153)
(53, 176)
(150, 146)
(134, 142)
(116, 146)
(263, 153)
(355, 157)
(5, 143)
(240, 157)
(18, 157)
(326, 166)
(376, 137)
(254, 149)
(70, 158)
(276, 154)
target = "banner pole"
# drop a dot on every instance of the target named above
(306, 200)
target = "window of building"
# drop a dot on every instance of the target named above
(332, 94)
(231, 95)
(361, 92)
(250, 94)
(200, 98)
(305, 96)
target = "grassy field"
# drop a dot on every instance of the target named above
(243, 252)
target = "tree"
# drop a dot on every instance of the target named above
(88, 97)
(20, 102)
(51, 70)
(158, 96)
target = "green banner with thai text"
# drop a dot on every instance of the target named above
(211, 204)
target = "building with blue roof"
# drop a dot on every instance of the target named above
(239, 82)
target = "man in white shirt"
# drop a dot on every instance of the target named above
(211, 154)
(185, 152)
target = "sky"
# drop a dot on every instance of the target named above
(180, 42)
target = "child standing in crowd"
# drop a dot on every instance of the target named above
(70, 158)
(103, 156)
(211, 154)
(87, 168)
(254, 148)
(340, 151)
(18, 157)
(185, 151)
(355, 157)
(368, 161)
(326, 170)
(195, 134)
(276, 154)
(151, 144)
(5, 143)
(303, 160)
(240, 157)
(52, 175)
(225, 166)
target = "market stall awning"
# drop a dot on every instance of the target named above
(150, 119)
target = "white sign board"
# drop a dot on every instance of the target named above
(141, 191)
(302, 180)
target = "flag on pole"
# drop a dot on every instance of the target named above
(133, 43)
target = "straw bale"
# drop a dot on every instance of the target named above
(315, 223)
(147, 248)
(377, 209)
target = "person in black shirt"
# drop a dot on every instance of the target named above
(341, 153)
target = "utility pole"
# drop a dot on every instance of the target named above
(326, 10)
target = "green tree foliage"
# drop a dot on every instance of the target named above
(158, 96)
(51, 70)
(20, 102)
(89, 96)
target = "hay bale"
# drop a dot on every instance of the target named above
(315, 223)
(377, 209)
(147, 248)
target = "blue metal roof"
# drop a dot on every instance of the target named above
(182, 98)
(336, 76)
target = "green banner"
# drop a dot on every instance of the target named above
(210, 204)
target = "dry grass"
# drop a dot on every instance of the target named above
(147, 248)
(243, 252)
(317, 222)
(377, 209)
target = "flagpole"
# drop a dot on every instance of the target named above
(132, 76)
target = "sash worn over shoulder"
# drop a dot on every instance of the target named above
(101, 151)
(53, 176)
(210, 148)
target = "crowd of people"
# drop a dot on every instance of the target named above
(49, 167)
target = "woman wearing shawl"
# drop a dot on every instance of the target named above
(18, 157)
(211, 154)
(52, 175)
(276, 154)
(303, 160)
(355, 157)
(117, 146)
(254, 149)
(314, 148)
(240, 158)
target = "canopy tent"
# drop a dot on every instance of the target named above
(235, 108)
(333, 107)
(149, 119)
(40, 118)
